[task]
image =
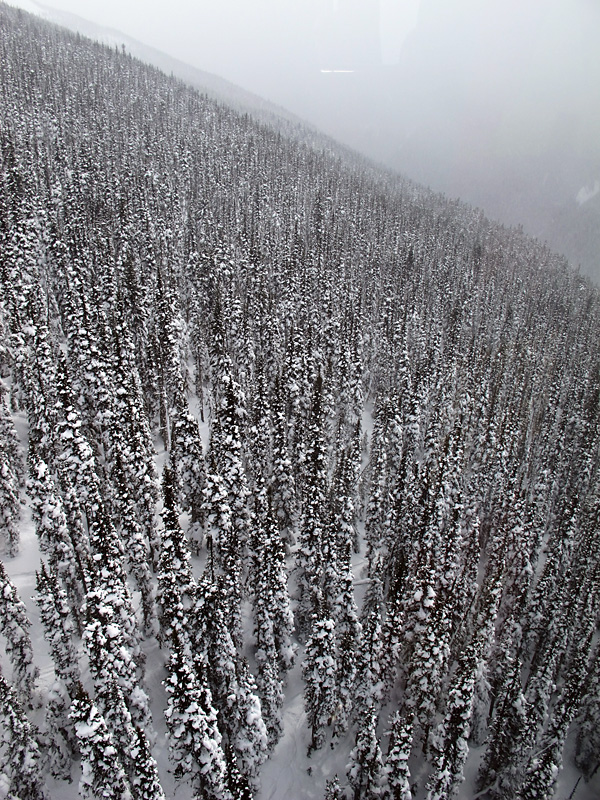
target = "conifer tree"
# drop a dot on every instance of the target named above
(58, 626)
(194, 738)
(11, 476)
(273, 618)
(319, 674)
(176, 585)
(348, 635)
(376, 510)
(14, 625)
(217, 514)
(58, 737)
(132, 441)
(247, 732)
(10, 511)
(508, 730)
(169, 340)
(269, 588)
(369, 684)
(232, 685)
(131, 744)
(397, 770)
(281, 482)
(20, 756)
(110, 642)
(587, 756)
(132, 210)
(75, 457)
(135, 544)
(339, 579)
(453, 749)
(187, 458)
(310, 559)
(333, 790)
(66, 556)
(545, 763)
(102, 774)
(145, 783)
(365, 768)
(226, 461)
(260, 456)
(237, 784)
(451, 739)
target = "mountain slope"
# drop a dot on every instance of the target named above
(312, 456)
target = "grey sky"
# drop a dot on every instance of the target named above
(259, 44)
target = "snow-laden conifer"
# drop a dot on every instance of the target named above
(20, 756)
(108, 640)
(187, 458)
(319, 671)
(11, 476)
(314, 533)
(233, 687)
(102, 774)
(396, 769)
(131, 743)
(58, 626)
(194, 738)
(365, 768)
(15, 625)
(66, 557)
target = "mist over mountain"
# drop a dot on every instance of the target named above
(497, 103)
(502, 108)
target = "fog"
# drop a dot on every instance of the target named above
(495, 101)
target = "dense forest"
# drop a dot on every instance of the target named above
(271, 408)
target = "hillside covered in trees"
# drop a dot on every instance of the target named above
(397, 497)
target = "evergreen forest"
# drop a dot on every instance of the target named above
(275, 417)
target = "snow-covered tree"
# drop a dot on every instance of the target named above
(109, 647)
(176, 585)
(102, 774)
(397, 771)
(58, 626)
(194, 738)
(314, 533)
(131, 744)
(366, 765)
(14, 625)
(68, 555)
(233, 687)
(11, 475)
(319, 673)
(333, 790)
(187, 458)
(21, 762)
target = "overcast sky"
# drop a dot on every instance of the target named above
(252, 42)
